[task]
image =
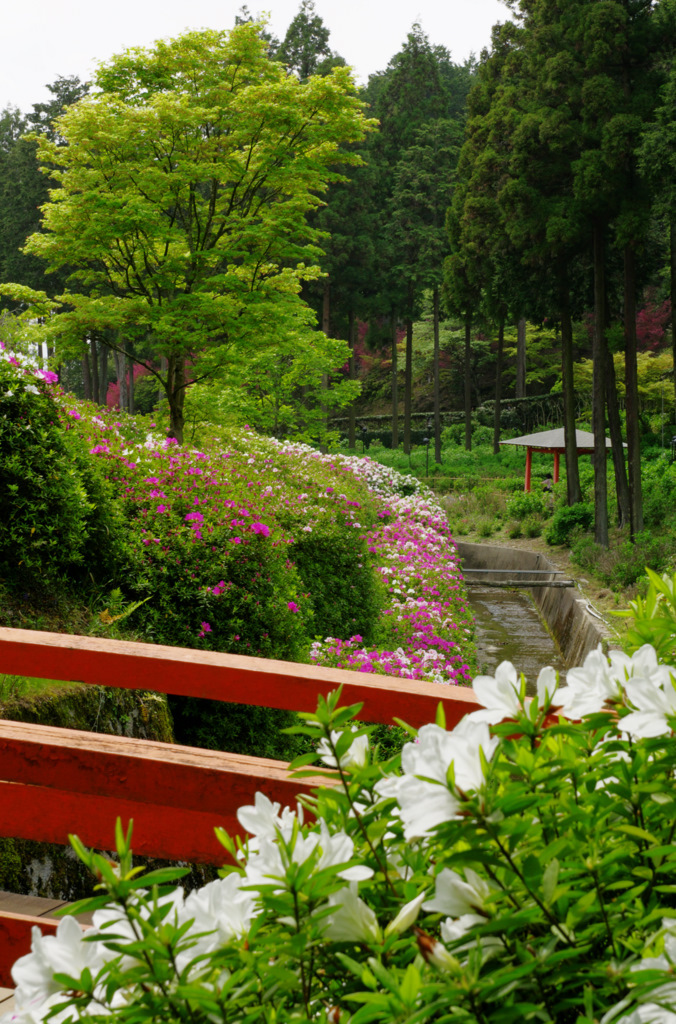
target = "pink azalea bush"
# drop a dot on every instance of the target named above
(270, 542)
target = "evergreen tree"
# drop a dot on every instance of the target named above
(305, 48)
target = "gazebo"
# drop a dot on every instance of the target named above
(553, 441)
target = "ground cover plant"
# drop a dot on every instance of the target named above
(520, 866)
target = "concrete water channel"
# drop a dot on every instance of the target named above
(533, 626)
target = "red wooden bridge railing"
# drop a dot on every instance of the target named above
(55, 781)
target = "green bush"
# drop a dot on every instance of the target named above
(568, 518)
(624, 565)
(532, 527)
(59, 517)
(525, 504)
(335, 568)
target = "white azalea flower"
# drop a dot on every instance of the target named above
(452, 930)
(352, 920)
(220, 912)
(63, 953)
(457, 896)
(265, 818)
(588, 688)
(499, 695)
(355, 756)
(422, 793)
(406, 916)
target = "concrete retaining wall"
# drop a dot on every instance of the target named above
(566, 612)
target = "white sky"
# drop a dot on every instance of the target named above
(43, 39)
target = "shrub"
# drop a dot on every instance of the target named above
(623, 565)
(58, 513)
(485, 528)
(514, 530)
(525, 504)
(654, 617)
(568, 518)
(532, 527)
(521, 872)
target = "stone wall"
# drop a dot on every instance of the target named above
(568, 615)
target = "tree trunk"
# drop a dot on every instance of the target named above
(437, 410)
(599, 392)
(103, 373)
(351, 420)
(573, 489)
(395, 386)
(96, 391)
(326, 325)
(468, 382)
(498, 386)
(615, 425)
(130, 386)
(87, 377)
(408, 384)
(164, 369)
(176, 396)
(672, 295)
(631, 386)
(121, 370)
(520, 391)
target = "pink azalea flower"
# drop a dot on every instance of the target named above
(260, 528)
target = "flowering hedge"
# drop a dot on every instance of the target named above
(256, 547)
(519, 867)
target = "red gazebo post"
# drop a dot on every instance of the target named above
(529, 459)
(556, 467)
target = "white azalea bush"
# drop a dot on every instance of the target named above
(520, 866)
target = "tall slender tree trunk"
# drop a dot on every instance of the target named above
(176, 396)
(103, 373)
(87, 377)
(468, 381)
(408, 379)
(96, 391)
(326, 327)
(615, 426)
(573, 489)
(164, 369)
(437, 409)
(599, 391)
(498, 385)
(520, 391)
(395, 386)
(631, 387)
(121, 370)
(672, 295)
(130, 386)
(351, 416)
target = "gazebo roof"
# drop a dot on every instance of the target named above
(554, 440)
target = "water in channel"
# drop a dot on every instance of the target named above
(509, 628)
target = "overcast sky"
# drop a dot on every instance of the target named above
(43, 39)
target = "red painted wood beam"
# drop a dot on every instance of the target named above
(142, 771)
(556, 467)
(529, 460)
(173, 833)
(227, 677)
(15, 940)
